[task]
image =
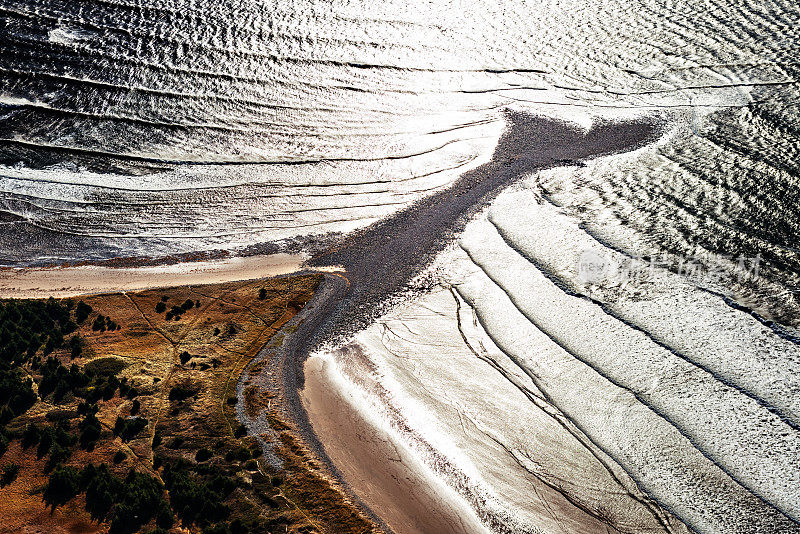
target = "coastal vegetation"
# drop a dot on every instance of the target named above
(116, 416)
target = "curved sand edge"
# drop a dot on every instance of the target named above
(384, 475)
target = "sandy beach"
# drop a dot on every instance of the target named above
(70, 281)
(381, 261)
(392, 482)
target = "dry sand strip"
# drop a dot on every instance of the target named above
(70, 281)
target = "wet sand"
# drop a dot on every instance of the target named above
(380, 262)
(82, 280)
(392, 482)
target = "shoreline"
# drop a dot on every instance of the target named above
(378, 263)
(395, 485)
(382, 261)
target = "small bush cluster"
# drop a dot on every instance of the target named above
(127, 504)
(83, 383)
(181, 392)
(8, 474)
(16, 394)
(102, 323)
(197, 493)
(82, 312)
(128, 428)
(57, 441)
(26, 326)
(242, 454)
(177, 311)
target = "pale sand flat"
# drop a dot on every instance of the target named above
(71, 281)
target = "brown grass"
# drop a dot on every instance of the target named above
(221, 336)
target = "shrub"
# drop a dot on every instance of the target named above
(90, 430)
(164, 518)
(241, 453)
(82, 312)
(8, 474)
(102, 489)
(141, 499)
(63, 485)
(45, 442)
(237, 527)
(16, 393)
(203, 455)
(26, 325)
(161, 307)
(182, 392)
(262, 294)
(119, 457)
(76, 346)
(85, 408)
(135, 407)
(31, 435)
(58, 454)
(194, 500)
(176, 443)
(59, 380)
(128, 504)
(99, 324)
(129, 427)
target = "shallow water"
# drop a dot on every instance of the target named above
(178, 125)
(162, 127)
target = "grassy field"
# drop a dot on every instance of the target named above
(145, 383)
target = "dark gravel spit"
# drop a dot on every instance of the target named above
(381, 260)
